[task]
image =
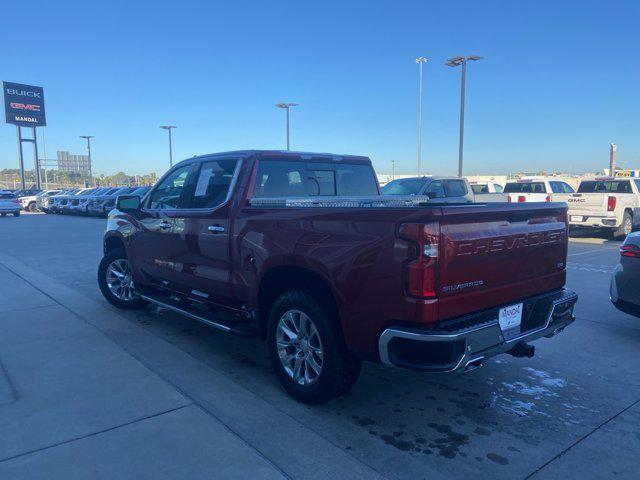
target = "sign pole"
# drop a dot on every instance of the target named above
(36, 159)
(21, 159)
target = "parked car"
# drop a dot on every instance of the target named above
(438, 189)
(74, 200)
(79, 203)
(625, 281)
(44, 199)
(611, 203)
(488, 192)
(100, 205)
(56, 201)
(61, 201)
(30, 203)
(301, 249)
(9, 204)
(537, 190)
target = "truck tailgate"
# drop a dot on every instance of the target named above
(494, 255)
(588, 202)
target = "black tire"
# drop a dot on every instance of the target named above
(625, 227)
(107, 260)
(340, 370)
(32, 207)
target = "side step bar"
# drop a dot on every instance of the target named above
(240, 330)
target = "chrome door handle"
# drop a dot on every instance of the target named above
(164, 225)
(215, 229)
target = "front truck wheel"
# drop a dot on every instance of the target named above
(307, 351)
(115, 281)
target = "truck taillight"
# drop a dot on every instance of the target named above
(509, 199)
(522, 199)
(632, 251)
(547, 198)
(611, 204)
(421, 272)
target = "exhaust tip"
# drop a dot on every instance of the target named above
(473, 365)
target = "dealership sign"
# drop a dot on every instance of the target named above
(23, 105)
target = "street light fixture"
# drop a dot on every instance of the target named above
(88, 139)
(168, 128)
(420, 61)
(287, 106)
(454, 62)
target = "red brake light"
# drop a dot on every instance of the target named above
(522, 199)
(548, 198)
(611, 204)
(422, 272)
(632, 251)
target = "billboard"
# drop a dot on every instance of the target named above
(23, 105)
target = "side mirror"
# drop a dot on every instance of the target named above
(128, 203)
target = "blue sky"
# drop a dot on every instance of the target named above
(559, 80)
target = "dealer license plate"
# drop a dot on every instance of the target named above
(510, 319)
(575, 218)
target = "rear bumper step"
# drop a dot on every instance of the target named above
(219, 322)
(466, 349)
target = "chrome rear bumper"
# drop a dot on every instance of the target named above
(456, 350)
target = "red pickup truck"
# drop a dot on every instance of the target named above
(302, 250)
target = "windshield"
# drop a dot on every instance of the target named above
(594, 186)
(404, 186)
(525, 187)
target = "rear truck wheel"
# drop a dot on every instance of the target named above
(32, 207)
(626, 227)
(307, 351)
(116, 282)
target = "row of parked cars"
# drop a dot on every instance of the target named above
(97, 201)
(605, 203)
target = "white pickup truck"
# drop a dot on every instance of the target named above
(611, 202)
(537, 190)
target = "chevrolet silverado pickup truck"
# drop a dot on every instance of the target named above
(302, 250)
(610, 203)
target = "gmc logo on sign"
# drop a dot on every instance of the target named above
(512, 242)
(25, 106)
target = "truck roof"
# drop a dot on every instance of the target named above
(286, 154)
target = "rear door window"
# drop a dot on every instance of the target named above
(455, 188)
(301, 179)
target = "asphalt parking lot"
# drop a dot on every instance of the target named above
(573, 411)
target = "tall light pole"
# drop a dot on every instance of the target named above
(420, 61)
(88, 139)
(287, 106)
(454, 62)
(168, 129)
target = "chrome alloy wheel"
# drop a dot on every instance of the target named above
(627, 227)
(299, 347)
(119, 280)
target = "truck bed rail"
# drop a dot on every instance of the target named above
(380, 201)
